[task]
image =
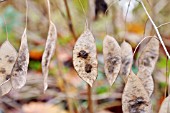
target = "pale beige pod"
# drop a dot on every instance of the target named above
(8, 56)
(135, 98)
(112, 58)
(127, 59)
(146, 64)
(48, 52)
(165, 106)
(85, 57)
(19, 71)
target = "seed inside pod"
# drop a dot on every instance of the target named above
(83, 54)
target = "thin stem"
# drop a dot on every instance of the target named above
(90, 102)
(126, 17)
(141, 42)
(5, 27)
(26, 20)
(113, 2)
(166, 81)
(86, 25)
(70, 20)
(163, 24)
(49, 10)
(155, 27)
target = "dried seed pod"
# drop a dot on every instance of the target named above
(147, 61)
(8, 56)
(5, 87)
(48, 52)
(165, 107)
(19, 71)
(127, 59)
(112, 58)
(85, 57)
(135, 98)
(149, 55)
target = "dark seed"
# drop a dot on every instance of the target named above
(8, 77)
(2, 70)
(83, 54)
(88, 68)
(11, 59)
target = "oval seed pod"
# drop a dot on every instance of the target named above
(135, 98)
(48, 52)
(19, 71)
(8, 56)
(127, 59)
(85, 57)
(112, 58)
(165, 107)
(146, 64)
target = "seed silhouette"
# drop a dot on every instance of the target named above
(88, 68)
(83, 54)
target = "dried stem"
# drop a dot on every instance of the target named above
(60, 72)
(166, 81)
(113, 2)
(163, 24)
(26, 18)
(49, 10)
(156, 29)
(126, 18)
(70, 20)
(90, 102)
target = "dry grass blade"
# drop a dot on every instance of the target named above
(8, 56)
(165, 107)
(135, 98)
(19, 71)
(85, 57)
(127, 59)
(48, 52)
(146, 64)
(112, 58)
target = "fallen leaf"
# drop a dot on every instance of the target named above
(48, 52)
(112, 58)
(85, 57)
(19, 71)
(165, 107)
(127, 59)
(135, 98)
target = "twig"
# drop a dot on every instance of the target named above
(60, 72)
(126, 17)
(156, 29)
(90, 102)
(166, 81)
(70, 20)
(163, 24)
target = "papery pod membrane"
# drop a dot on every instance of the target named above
(112, 58)
(146, 64)
(5, 87)
(48, 52)
(19, 71)
(165, 107)
(127, 59)
(85, 57)
(135, 99)
(8, 56)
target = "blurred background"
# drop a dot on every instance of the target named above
(67, 93)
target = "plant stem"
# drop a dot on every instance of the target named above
(70, 20)
(65, 84)
(90, 102)
(156, 29)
